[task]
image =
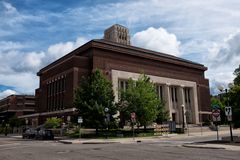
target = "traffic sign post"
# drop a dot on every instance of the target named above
(133, 119)
(216, 112)
(228, 113)
(80, 121)
(216, 115)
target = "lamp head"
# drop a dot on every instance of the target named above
(230, 85)
(220, 88)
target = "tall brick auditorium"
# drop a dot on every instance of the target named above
(179, 82)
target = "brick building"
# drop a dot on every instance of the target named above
(16, 105)
(180, 83)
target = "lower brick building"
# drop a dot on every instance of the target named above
(16, 105)
(179, 82)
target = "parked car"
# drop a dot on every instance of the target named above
(29, 133)
(44, 134)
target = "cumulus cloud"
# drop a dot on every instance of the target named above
(9, 9)
(223, 59)
(157, 39)
(227, 52)
(200, 26)
(18, 69)
(60, 49)
(6, 93)
(9, 45)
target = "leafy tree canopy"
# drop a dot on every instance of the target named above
(16, 122)
(142, 99)
(93, 95)
(53, 122)
(237, 74)
(215, 101)
(234, 97)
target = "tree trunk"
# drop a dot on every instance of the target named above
(145, 128)
(138, 129)
(97, 132)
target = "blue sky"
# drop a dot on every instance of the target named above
(34, 33)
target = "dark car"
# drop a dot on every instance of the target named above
(29, 133)
(44, 134)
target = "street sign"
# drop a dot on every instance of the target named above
(216, 119)
(80, 120)
(108, 117)
(133, 115)
(216, 112)
(229, 118)
(215, 106)
(228, 111)
(216, 115)
(68, 118)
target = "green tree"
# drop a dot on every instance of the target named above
(234, 97)
(216, 101)
(237, 74)
(16, 122)
(53, 122)
(93, 95)
(163, 115)
(142, 99)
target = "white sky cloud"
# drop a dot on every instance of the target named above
(222, 59)
(202, 31)
(158, 40)
(18, 69)
(6, 93)
(60, 49)
(9, 45)
(9, 9)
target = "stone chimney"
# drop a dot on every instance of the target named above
(118, 34)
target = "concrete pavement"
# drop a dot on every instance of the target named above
(186, 140)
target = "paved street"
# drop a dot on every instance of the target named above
(18, 149)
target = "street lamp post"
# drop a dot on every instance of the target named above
(221, 88)
(107, 118)
(230, 124)
(183, 123)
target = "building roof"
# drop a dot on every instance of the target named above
(126, 49)
(17, 95)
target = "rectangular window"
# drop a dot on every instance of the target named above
(174, 94)
(159, 90)
(175, 88)
(187, 95)
(64, 83)
(48, 96)
(123, 85)
(189, 98)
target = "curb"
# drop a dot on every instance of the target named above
(99, 142)
(82, 142)
(202, 147)
(65, 142)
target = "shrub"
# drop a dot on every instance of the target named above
(53, 122)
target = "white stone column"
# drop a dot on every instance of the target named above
(181, 105)
(194, 105)
(167, 99)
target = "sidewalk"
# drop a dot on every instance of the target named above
(170, 137)
(213, 146)
(186, 140)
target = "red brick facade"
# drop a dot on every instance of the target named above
(59, 79)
